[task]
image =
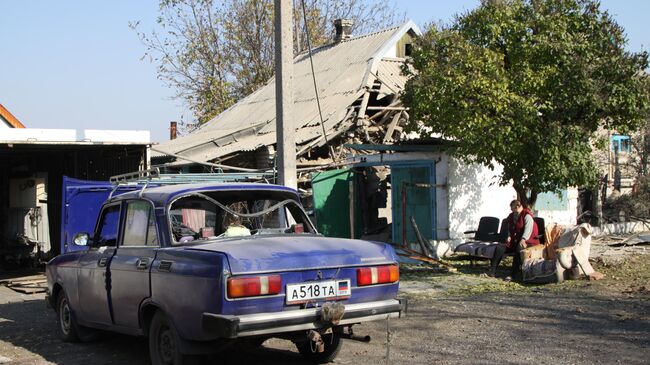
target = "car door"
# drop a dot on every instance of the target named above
(93, 280)
(81, 203)
(131, 264)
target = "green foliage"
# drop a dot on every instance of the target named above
(526, 84)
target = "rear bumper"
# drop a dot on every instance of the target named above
(228, 326)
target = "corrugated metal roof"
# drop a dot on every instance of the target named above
(390, 74)
(342, 73)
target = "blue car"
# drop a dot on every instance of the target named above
(199, 267)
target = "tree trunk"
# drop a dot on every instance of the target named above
(527, 197)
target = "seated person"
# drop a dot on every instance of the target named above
(522, 233)
(233, 227)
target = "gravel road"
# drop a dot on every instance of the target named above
(578, 322)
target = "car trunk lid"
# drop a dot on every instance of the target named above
(293, 252)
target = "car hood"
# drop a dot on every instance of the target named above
(291, 252)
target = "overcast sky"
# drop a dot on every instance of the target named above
(76, 64)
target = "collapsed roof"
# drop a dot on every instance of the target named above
(348, 73)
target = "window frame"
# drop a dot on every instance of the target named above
(617, 140)
(172, 240)
(152, 213)
(96, 231)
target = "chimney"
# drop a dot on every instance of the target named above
(172, 130)
(343, 29)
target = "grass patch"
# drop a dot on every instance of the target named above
(491, 285)
(630, 277)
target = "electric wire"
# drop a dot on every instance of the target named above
(313, 74)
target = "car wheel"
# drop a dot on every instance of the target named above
(65, 319)
(332, 344)
(69, 330)
(164, 342)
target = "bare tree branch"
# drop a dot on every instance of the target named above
(213, 53)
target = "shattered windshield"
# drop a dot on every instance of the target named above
(212, 215)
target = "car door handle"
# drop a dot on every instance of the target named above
(102, 262)
(142, 263)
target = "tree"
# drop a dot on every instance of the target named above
(526, 84)
(213, 53)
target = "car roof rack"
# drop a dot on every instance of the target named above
(136, 176)
(153, 177)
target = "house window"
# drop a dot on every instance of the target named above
(408, 50)
(621, 143)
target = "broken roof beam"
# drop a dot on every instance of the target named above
(384, 112)
(319, 162)
(391, 127)
(331, 134)
(400, 108)
(363, 105)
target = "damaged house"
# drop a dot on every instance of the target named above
(362, 176)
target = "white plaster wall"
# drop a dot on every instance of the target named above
(474, 192)
(3, 124)
(465, 193)
(442, 196)
(392, 52)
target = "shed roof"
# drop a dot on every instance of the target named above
(343, 71)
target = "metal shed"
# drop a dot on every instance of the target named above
(32, 164)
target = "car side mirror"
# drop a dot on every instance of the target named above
(81, 239)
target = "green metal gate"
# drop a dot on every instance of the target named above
(413, 195)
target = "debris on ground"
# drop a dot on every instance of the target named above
(641, 239)
(27, 285)
(409, 254)
(611, 250)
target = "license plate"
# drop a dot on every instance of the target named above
(305, 292)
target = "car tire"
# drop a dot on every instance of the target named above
(65, 320)
(165, 343)
(332, 344)
(69, 329)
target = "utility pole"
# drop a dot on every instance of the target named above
(284, 121)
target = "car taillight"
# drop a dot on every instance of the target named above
(377, 275)
(254, 286)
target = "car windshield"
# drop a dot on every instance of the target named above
(202, 216)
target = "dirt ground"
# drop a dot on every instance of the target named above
(453, 318)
